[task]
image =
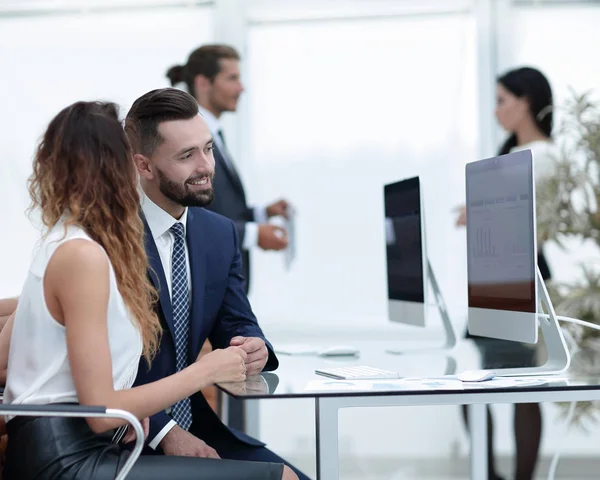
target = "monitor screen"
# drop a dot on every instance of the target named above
(501, 239)
(404, 241)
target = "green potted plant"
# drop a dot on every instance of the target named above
(568, 208)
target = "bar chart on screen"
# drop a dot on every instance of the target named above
(498, 248)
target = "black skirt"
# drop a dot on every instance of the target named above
(66, 448)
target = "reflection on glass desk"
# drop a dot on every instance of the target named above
(296, 374)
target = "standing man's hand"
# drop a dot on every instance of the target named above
(280, 207)
(179, 442)
(257, 351)
(272, 237)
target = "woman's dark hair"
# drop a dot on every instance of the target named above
(532, 84)
(202, 61)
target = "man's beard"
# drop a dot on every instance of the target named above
(181, 195)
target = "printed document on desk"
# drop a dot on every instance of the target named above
(403, 384)
(515, 382)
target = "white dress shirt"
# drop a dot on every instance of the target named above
(160, 222)
(260, 213)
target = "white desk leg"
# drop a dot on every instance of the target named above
(326, 415)
(478, 430)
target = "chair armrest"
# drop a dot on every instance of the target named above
(83, 411)
(51, 410)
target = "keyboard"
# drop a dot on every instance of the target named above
(356, 373)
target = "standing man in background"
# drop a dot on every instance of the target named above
(212, 76)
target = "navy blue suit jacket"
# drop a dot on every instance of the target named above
(230, 201)
(219, 311)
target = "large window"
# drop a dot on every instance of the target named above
(337, 109)
(51, 60)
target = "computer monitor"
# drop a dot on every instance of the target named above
(413, 291)
(405, 252)
(501, 248)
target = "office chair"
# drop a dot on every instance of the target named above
(85, 412)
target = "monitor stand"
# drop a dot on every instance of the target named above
(559, 358)
(449, 332)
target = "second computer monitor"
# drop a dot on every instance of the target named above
(405, 252)
(501, 247)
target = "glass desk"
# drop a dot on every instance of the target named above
(296, 373)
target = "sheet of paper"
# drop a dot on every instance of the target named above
(418, 383)
(337, 385)
(403, 384)
(296, 349)
(421, 384)
(515, 382)
(289, 253)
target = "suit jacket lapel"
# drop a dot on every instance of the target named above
(157, 275)
(196, 238)
(233, 176)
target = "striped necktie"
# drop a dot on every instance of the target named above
(180, 301)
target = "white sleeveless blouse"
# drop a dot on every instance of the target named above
(38, 366)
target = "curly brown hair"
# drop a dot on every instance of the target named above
(84, 172)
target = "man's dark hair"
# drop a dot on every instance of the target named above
(205, 60)
(152, 109)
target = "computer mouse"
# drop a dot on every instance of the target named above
(339, 351)
(475, 375)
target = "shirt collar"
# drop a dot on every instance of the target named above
(158, 220)
(214, 125)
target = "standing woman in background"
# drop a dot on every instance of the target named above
(524, 108)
